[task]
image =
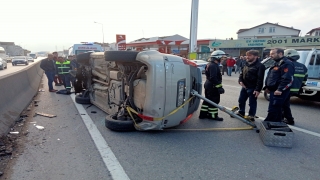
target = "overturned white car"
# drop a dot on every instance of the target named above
(139, 90)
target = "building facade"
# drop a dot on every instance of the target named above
(314, 32)
(268, 30)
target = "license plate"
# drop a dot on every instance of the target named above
(181, 90)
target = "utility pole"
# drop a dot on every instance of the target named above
(193, 28)
(102, 34)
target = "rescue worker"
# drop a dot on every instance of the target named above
(278, 82)
(251, 79)
(213, 86)
(62, 70)
(299, 79)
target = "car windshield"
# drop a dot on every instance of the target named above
(19, 57)
(84, 51)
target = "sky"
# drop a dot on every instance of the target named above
(50, 25)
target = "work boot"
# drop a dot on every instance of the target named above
(216, 118)
(290, 122)
(250, 118)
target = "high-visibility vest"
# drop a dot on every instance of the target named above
(63, 68)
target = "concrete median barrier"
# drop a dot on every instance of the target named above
(16, 92)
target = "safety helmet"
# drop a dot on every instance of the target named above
(291, 54)
(217, 55)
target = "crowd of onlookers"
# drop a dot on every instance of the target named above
(230, 64)
(57, 70)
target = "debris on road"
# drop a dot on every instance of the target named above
(89, 106)
(14, 132)
(40, 127)
(46, 115)
(94, 112)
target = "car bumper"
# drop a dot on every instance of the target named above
(20, 62)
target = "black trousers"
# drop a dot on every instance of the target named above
(208, 110)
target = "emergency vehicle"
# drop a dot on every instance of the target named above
(311, 59)
(77, 49)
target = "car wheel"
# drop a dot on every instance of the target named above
(121, 56)
(84, 58)
(80, 99)
(2, 68)
(12, 64)
(266, 95)
(119, 125)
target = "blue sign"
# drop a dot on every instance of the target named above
(175, 51)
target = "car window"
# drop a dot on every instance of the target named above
(314, 66)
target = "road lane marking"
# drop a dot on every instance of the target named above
(292, 127)
(116, 170)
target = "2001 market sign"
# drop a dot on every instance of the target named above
(269, 42)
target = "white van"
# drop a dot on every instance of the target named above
(77, 49)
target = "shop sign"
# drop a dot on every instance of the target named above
(269, 42)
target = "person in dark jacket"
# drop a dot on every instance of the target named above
(251, 79)
(238, 65)
(213, 87)
(299, 79)
(278, 82)
(48, 66)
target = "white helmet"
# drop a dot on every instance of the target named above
(291, 54)
(218, 54)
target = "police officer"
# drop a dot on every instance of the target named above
(299, 79)
(213, 86)
(278, 82)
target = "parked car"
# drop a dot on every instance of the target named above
(3, 64)
(138, 90)
(201, 64)
(30, 59)
(19, 60)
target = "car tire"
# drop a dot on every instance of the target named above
(121, 56)
(119, 125)
(266, 95)
(84, 58)
(12, 64)
(80, 99)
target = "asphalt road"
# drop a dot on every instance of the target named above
(12, 69)
(171, 154)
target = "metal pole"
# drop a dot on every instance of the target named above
(195, 93)
(102, 34)
(193, 27)
(103, 38)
